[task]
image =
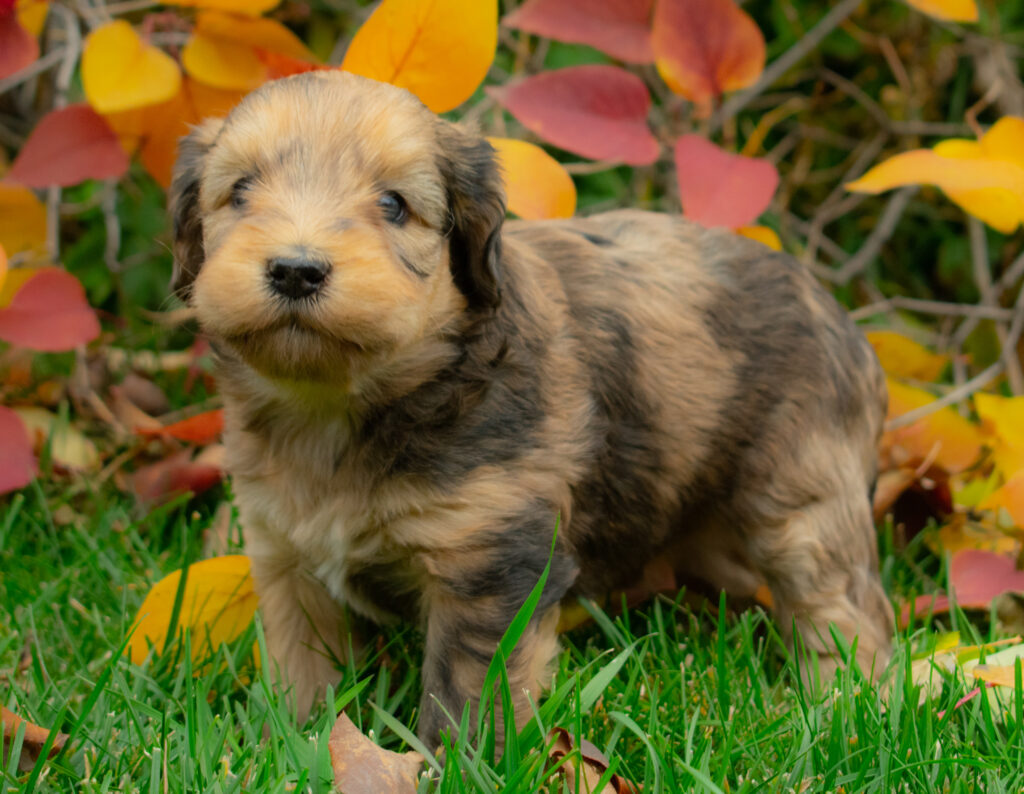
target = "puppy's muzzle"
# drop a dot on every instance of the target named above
(296, 277)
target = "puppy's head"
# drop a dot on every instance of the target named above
(331, 217)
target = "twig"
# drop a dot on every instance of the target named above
(72, 49)
(879, 235)
(112, 226)
(784, 62)
(594, 167)
(1012, 274)
(858, 95)
(36, 67)
(965, 390)
(982, 277)
(932, 307)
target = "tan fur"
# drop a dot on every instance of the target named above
(403, 442)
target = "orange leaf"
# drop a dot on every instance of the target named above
(954, 442)
(986, 177)
(536, 183)
(953, 10)
(703, 48)
(32, 15)
(121, 72)
(22, 220)
(34, 739)
(902, 356)
(218, 604)
(223, 49)
(1010, 497)
(762, 234)
(200, 429)
(440, 50)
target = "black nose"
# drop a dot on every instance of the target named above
(295, 277)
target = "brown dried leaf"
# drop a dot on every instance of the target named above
(35, 738)
(594, 765)
(361, 767)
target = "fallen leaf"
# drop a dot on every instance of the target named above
(621, 28)
(223, 50)
(362, 767)
(719, 188)
(945, 437)
(22, 220)
(18, 47)
(961, 534)
(596, 111)
(952, 10)
(589, 764)
(703, 48)
(203, 428)
(279, 65)
(902, 356)
(69, 146)
(49, 313)
(69, 447)
(1003, 417)
(173, 476)
(762, 234)
(889, 487)
(985, 177)
(217, 606)
(1010, 498)
(439, 50)
(33, 743)
(536, 184)
(17, 463)
(120, 71)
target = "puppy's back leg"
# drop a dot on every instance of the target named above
(819, 556)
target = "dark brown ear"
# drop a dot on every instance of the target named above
(183, 204)
(476, 203)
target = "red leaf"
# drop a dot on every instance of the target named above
(68, 146)
(173, 476)
(18, 47)
(621, 28)
(718, 188)
(704, 48)
(281, 65)
(595, 111)
(975, 577)
(49, 313)
(202, 428)
(17, 463)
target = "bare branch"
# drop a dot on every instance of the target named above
(879, 235)
(933, 307)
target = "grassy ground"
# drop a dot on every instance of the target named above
(679, 701)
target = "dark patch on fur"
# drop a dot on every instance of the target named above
(598, 240)
(412, 268)
(382, 585)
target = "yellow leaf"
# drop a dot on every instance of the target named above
(1002, 675)
(22, 220)
(68, 445)
(537, 185)
(223, 49)
(32, 15)
(440, 50)
(954, 442)
(961, 535)
(1010, 497)
(120, 71)
(1004, 418)
(762, 234)
(16, 278)
(217, 606)
(985, 178)
(3, 267)
(953, 10)
(251, 8)
(902, 356)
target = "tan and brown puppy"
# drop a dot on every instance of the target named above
(415, 390)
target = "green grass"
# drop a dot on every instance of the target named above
(679, 701)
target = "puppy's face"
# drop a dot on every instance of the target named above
(329, 218)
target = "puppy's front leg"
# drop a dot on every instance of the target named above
(468, 612)
(304, 626)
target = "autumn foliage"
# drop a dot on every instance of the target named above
(679, 105)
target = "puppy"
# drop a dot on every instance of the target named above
(417, 392)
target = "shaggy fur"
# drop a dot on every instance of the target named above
(403, 439)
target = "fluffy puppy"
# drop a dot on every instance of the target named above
(416, 390)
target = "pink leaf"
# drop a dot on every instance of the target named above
(594, 111)
(718, 188)
(18, 47)
(17, 463)
(173, 476)
(621, 28)
(49, 313)
(68, 146)
(976, 577)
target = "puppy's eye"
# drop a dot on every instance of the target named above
(394, 207)
(238, 191)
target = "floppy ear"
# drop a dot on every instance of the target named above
(183, 204)
(476, 205)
